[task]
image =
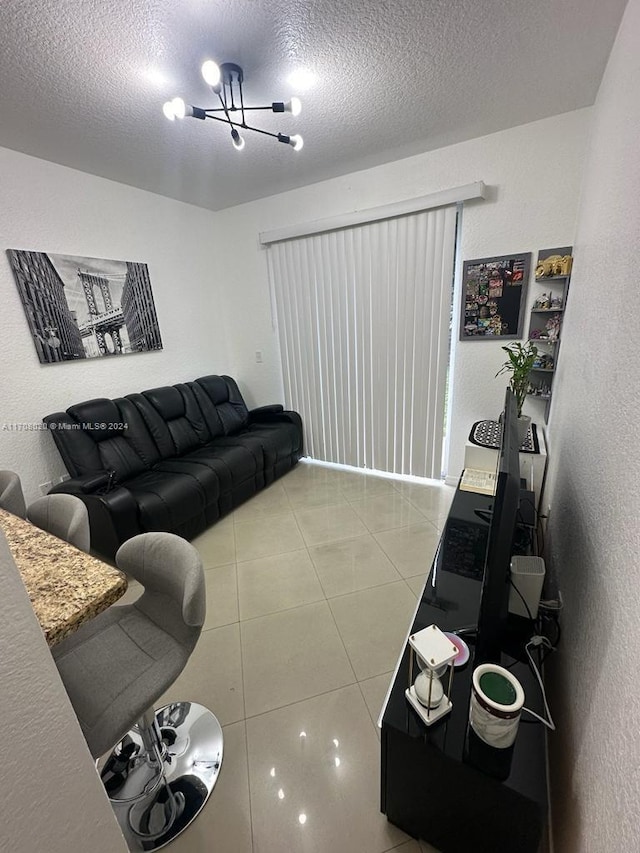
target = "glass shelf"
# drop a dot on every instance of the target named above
(539, 396)
(544, 369)
(551, 278)
(543, 341)
(546, 310)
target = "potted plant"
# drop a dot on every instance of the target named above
(520, 362)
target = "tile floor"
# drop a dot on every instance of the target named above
(311, 586)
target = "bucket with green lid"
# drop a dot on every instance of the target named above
(497, 698)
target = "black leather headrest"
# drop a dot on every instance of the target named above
(215, 388)
(100, 418)
(168, 401)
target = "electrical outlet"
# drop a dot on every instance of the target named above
(258, 356)
(44, 487)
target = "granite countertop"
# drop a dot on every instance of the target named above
(66, 586)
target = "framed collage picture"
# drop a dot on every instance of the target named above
(493, 296)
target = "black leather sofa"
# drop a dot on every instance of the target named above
(175, 458)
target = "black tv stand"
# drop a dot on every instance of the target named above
(428, 789)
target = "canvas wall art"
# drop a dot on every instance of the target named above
(79, 307)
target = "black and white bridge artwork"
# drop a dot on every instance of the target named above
(79, 307)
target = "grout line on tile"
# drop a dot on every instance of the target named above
(365, 589)
(373, 722)
(306, 699)
(246, 752)
(346, 651)
(284, 609)
(244, 690)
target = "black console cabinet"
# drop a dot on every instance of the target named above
(428, 789)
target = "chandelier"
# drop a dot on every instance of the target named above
(226, 81)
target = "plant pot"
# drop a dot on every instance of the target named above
(524, 422)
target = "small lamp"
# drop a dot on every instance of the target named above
(427, 694)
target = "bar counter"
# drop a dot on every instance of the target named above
(66, 586)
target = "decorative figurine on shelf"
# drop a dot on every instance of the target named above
(543, 302)
(543, 362)
(552, 328)
(556, 302)
(554, 265)
(534, 334)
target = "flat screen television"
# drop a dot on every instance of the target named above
(494, 602)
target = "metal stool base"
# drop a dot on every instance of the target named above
(191, 746)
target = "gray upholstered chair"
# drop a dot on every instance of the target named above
(118, 664)
(11, 497)
(65, 516)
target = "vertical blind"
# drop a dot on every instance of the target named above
(363, 320)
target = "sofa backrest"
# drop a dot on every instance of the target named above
(94, 436)
(173, 419)
(129, 435)
(221, 403)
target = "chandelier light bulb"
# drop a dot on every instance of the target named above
(211, 72)
(296, 141)
(167, 109)
(179, 107)
(238, 141)
(294, 106)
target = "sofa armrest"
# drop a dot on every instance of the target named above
(91, 484)
(270, 418)
(113, 513)
(259, 413)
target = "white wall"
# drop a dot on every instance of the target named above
(52, 798)
(534, 173)
(595, 483)
(50, 208)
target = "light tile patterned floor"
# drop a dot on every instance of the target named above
(310, 590)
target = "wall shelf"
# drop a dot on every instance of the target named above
(557, 288)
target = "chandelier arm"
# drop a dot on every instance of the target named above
(244, 126)
(233, 103)
(225, 108)
(241, 103)
(222, 110)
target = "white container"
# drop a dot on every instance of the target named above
(527, 576)
(496, 704)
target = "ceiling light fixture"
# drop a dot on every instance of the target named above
(226, 81)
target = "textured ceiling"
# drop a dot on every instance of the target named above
(82, 82)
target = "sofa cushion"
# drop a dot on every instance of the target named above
(233, 464)
(229, 409)
(175, 423)
(167, 499)
(283, 439)
(102, 422)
